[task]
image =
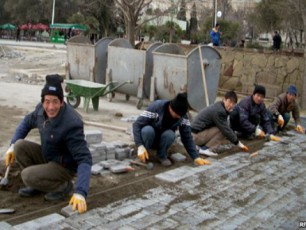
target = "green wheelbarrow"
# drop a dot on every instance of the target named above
(90, 91)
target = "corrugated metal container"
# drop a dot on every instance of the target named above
(87, 61)
(128, 64)
(174, 72)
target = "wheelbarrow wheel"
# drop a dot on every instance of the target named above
(74, 101)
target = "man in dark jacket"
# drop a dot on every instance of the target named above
(155, 129)
(281, 107)
(211, 128)
(250, 117)
(277, 41)
(50, 166)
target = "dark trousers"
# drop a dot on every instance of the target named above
(160, 142)
(236, 125)
(36, 172)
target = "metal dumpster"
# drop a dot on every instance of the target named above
(174, 72)
(128, 64)
(87, 61)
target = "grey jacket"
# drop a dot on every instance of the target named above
(280, 105)
(211, 116)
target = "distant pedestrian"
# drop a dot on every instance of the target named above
(18, 34)
(215, 35)
(277, 41)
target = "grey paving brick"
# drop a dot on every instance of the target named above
(40, 223)
(96, 168)
(178, 157)
(67, 211)
(93, 136)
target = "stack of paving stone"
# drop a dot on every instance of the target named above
(107, 156)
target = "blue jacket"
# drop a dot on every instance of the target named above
(247, 108)
(215, 36)
(153, 116)
(62, 141)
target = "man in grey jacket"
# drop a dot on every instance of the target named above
(50, 166)
(280, 108)
(210, 127)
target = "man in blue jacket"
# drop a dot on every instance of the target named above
(155, 129)
(50, 166)
(215, 35)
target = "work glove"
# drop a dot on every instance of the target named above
(142, 154)
(280, 121)
(299, 129)
(243, 147)
(78, 202)
(274, 138)
(201, 161)
(259, 133)
(10, 155)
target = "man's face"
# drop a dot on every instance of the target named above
(290, 97)
(173, 114)
(229, 104)
(258, 98)
(52, 105)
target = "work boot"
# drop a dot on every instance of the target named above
(165, 162)
(60, 195)
(28, 192)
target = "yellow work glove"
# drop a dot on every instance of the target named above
(274, 138)
(280, 121)
(77, 201)
(10, 155)
(259, 133)
(142, 154)
(300, 129)
(243, 147)
(201, 161)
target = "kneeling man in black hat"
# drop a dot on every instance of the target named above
(155, 129)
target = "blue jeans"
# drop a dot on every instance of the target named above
(160, 142)
(273, 120)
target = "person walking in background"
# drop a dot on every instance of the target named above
(49, 167)
(277, 41)
(280, 108)
(215, 35)
(211, 128)
(155, 129)
(18, 34)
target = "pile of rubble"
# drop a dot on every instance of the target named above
(7, 53)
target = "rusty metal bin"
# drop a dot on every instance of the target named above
(87, 61)
(173, 72)
(128, 64)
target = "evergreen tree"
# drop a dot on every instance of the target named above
(181, 15)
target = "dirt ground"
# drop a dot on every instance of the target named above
(22, 71)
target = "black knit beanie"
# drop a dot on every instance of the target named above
(53, 86)
(180, 104)
(260, 90)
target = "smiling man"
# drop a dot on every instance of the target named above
(210, 127)
(49, 167)
(250, 117)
